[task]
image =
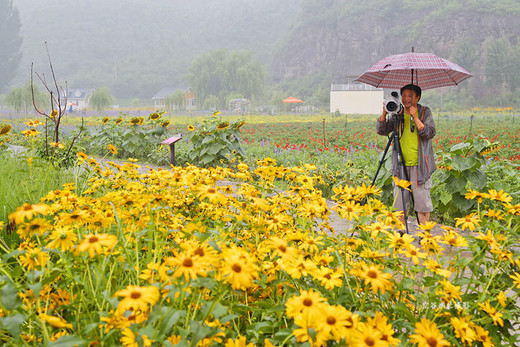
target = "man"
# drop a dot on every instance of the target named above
(417, 151)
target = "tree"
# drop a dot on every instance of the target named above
(10, 42)
(176, 100)
(21, 98)
(100, 99)
(220, 75)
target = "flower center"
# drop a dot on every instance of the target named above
(307, 302)
(369, 341)
(237, 268)
(331, 320)
(135, 295)
(93, 239)
(187, 262)
(372, 274)
(431, 341)
(199, 251)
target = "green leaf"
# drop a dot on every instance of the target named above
(464, 163)
(462, 203)
(445, 198)
(10, 297)
(457, 184)
(459, 148)
(477, 177)
(13, 323)
(67, 341)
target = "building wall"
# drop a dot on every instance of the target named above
(356, 101)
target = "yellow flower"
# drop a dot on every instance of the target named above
(56, 322)
(237, 267)
(34, 257)
(165, 124)
(222, 125)
(377, 279)
(53, 114)
(329, 279)
(128, 339)
(27, 211)
(191, 127)
(498, 215)
(137, 298)
(366, 335)
(119, 121)
(62, 238)
(112, 149)
(516, 279)
(96, 244)
(335, 321)
(240, 342)
(470, 222)
(5, 129)
(499, 196)
(402, 183)
(186, 265)
(155, 116)
(216, 113)
(105, 120)
(502, 299)
(308, 303)
(427, 335)
(463, 329)
(37, 226)
(493, 313)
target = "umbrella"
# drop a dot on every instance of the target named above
(425, 70)
(292, 100)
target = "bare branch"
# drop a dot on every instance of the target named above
(32, 94)
(75, 137)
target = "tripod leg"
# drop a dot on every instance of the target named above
(401, 166)
(379, 167)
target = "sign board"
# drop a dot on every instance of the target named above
(171, 140)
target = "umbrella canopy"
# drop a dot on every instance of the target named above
(423, 69)
(292, 100)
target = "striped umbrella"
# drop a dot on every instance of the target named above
(426, 70)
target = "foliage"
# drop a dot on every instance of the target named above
(100, 99)
(215, 143)
(172, 256)
(25, 179)
(221, 75)
(10, 41)
(126, 137)
(22, 98)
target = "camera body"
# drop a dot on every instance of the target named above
(393, 104)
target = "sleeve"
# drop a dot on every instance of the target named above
(429, 131)
(384, 128)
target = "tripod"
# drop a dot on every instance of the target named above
(393, 139)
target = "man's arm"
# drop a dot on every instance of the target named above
(426, 127)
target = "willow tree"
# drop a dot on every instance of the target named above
(100, 99)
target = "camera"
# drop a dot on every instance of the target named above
(393, 104)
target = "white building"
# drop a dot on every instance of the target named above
(356, 98)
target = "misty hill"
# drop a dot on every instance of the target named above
(136, 47)
(335, 38)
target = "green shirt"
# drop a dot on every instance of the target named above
(410, 143)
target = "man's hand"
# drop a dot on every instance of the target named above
(413, 111)
(383, 116)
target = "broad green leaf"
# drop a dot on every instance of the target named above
(477, 177)
(10, 297)
(445, 198)
(460, 147)
(464, 163)
(457, 184)
(13, 323)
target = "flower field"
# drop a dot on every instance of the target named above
(249, 254)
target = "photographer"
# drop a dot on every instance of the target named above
(416, 130)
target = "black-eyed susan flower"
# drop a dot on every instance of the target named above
(96, 244)
(402, 183)
(128, 339)
(186, 265)
(34, 258)
(56, 322)
(27, 211)
(112, 149)
(237, 268)
(5, 129)
(136, 298)
(373, 276)
(427, 335)
(308, 304)
(470, 222)
(62, 238)
(463, 328)
(37, 226)
(191, 127)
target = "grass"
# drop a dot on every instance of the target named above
(23, 183)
